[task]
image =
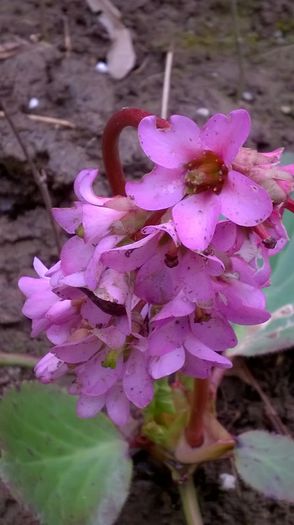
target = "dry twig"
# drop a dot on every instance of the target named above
(245, 374)
(47, 120)
(166, 82)
(239, 50)
(67, 37)
(40, 178)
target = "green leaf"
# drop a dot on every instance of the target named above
(266, 462)
(273, 336)
(162, 401)
(287, 158)
(277, 333)
(71, 471)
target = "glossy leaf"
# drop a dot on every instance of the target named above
(278, 332)
(266, 462)
(71, 471)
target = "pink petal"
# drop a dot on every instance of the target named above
(196, 367)
(243, 201)
(75, 255)
(90, 406)
(78, 351)
(168, 337)
(137, 383)
(95, 379)
(60, 334)
(49, 368)
(33, 285)
(98, 220)
(167, 227)
(225, 134)
(201, 351)
(224, 236)
(118, 406)
(180, 306)
(39, 325)
(195, 281)
(242, 303)
(61, 312)
(38, 304)
(83, 188)
(95, 267)
(155, 282)
(76, 279)
(131, 256)
(39, 267)
(91, 313)
(68, 218)
(216, 333)
(113, 286)
(159, 189)
(195, 219)
(167, 364)
(171, 147)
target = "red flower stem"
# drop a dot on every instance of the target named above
(122, 119)
(289, 205)
(194, 430)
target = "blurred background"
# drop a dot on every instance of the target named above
(65, 67)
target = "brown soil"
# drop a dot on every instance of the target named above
(205, 74)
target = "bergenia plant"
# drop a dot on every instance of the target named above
(142, 310)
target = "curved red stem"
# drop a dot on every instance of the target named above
(110, 141)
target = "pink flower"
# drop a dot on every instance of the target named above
(193, 175)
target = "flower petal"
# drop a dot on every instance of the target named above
(75, 255)
(131, 256)
(68, 218)
(201, 351)
(225, 134)
(243, 201)
(95, 379)
(155, 282)
(159, 189)
(78, 351)
(83, 187)
(216, 333)
(168, 337)
(167, 364)
(118, 406)
(90, 406)
(137, 383)
(169, 147)
(97, 221)
(195, 219)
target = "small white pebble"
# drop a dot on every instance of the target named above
(102, 67)
(228, 481)
(33, 103)
(203, 112)
(287, 110)
(248, 96)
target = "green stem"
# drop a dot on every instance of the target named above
(27, 361)
(190, 502)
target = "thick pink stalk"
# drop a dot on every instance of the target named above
(194, 430)
(122, 119)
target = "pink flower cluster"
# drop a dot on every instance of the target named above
(148, 284)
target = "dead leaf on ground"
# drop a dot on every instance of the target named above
(9, 49)
(121, 56)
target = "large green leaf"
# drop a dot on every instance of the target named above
(266, 462)
(71, 471)
(277, 333)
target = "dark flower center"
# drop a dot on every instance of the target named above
(206, 172)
